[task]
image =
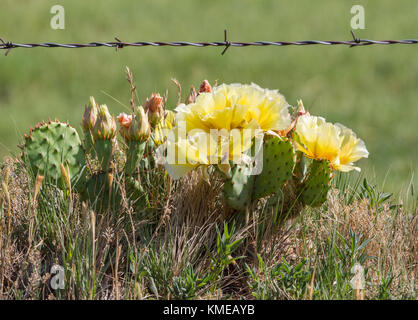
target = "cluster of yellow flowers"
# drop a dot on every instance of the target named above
(210, 129)
(213, 128)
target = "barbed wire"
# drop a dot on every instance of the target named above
(118, 44)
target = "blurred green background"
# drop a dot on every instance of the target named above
(372, 89)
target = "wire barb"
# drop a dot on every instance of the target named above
(6, 45)
(355, 39)
(119, 44)
(226, 43)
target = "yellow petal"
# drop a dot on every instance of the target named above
(352, 148)
(318, 139)
(229, 110)
(176, 171)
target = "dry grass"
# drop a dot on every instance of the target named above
(392, 233)
(120, 254)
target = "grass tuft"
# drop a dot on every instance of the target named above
(186, 245)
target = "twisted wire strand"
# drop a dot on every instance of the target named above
(226, 44)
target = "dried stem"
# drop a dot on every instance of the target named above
(130, 79)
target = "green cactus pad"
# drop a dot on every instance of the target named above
(51, 144)
(134, 155)
(299, 172)
(103, 149)
(278, 164)
(97, 192)
(238, 189)
(88, 141)
(135, 192)
(315, 187)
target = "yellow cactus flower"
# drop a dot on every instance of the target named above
(322, 140)
(351, 150)
(183, 155)
(224, 114)
(235, 106)
(318, 139)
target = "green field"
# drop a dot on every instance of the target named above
(372, 89)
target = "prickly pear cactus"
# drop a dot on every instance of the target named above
(299, 173)
(51, 144)
(134, 155)
(103, 149)
(238, 188)
(315, 187)
(102, 192)
(136, 193)
(278, 164)
(103, 134)
(88, 142)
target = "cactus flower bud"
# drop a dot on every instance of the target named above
(105, 127)
(205, 87)
(125, 121)
(140, 129)
(90, 115)
(301, 109)
(154, 108)
(192, 96)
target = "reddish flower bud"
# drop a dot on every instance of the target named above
(124, 120)
(154, 108)
(205, 87)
